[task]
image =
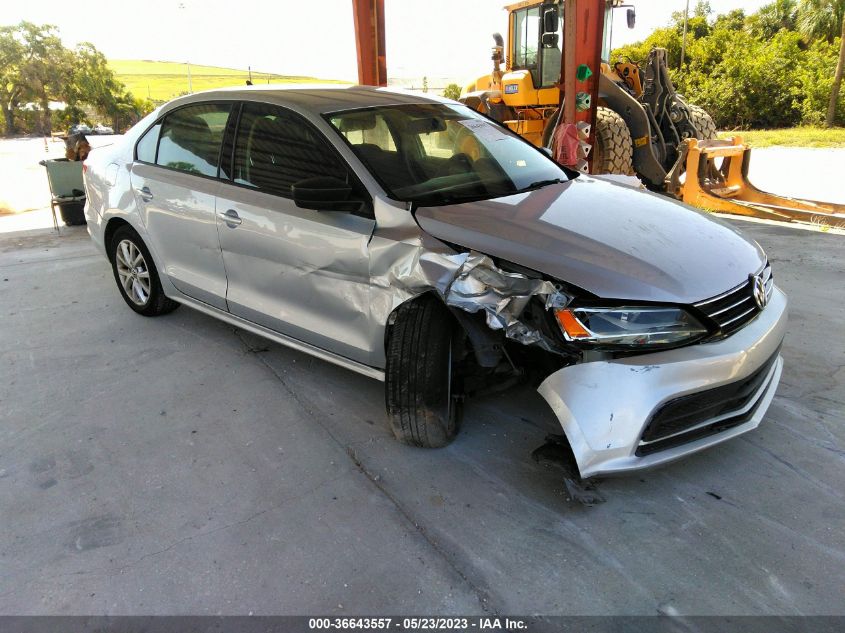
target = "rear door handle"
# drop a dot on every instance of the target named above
(145, 193)
(231, 218)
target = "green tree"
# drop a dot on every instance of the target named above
(11, 87)
(31, 56)
(36, 68)
(825, 20)
(771, 18)
(452, 91)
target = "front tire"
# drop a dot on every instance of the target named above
(613, 149)
(420, 384)
(703, 122)
(136, 274)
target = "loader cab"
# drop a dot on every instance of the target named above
(536, 40)
(536, 37)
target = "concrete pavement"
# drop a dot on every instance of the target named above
(178, 466)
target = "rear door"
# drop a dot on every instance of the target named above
(174, 178)
(300, 272)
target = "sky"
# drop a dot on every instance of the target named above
(434, 38)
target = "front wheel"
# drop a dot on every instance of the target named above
(136, 274)
(421, 387)
(613, 149)
(703, 122)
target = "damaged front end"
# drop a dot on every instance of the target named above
(607, 372)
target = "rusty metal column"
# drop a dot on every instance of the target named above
(369, 42)
(583, 35)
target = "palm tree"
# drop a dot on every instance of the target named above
(825, 19)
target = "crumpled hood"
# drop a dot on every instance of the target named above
(606, 238)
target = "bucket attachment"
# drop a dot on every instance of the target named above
(725, 187)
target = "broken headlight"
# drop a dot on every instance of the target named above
(629, 327)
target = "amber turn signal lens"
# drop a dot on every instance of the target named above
(571, 325)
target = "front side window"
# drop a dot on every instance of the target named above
(276, 148)
(442, 153)
(526, 31)
(191, 137)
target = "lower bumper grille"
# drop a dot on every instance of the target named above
(683, 419)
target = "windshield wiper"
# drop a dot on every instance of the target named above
(540, 184)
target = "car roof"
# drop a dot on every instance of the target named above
(316, 98)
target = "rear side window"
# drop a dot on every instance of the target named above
(191, 137)
(276, 148)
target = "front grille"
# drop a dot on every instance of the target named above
(683, 419)
(736, 307)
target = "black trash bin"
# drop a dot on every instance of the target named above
(73, 212)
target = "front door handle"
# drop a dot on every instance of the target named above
(145, 193)
(231, 218)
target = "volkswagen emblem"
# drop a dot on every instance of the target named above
(758, 291)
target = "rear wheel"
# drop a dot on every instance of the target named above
(421, 388)
(613, 150)
(703, 122)
(136, 274)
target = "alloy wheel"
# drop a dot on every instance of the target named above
(133, 272)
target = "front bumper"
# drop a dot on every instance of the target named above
(605, 406)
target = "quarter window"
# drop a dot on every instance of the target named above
(146, 148)
(191, 138)
(276, 148)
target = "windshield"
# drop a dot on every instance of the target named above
(443, 153)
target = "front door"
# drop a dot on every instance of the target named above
(175, 185)
(300, 272)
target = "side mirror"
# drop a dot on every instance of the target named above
(325, 193)
(632, 17)
(551, 20)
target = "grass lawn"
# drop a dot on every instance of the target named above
(162, 81)
(792, 137)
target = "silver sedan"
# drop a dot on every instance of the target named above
(415, 241)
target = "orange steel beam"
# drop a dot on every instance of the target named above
(369, 42)
(583, 35)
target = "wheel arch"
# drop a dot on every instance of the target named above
(483, 342)
(112, 225)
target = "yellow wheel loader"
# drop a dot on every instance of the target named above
(638, 125)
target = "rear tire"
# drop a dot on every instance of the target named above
(419, 381)
(703, 122)
(136, 274)
(613, 149)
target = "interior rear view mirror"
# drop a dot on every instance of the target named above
(358, 122)
(426, 126)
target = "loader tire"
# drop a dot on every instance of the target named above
(420, 385)
(703, 122)
(613, 149)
